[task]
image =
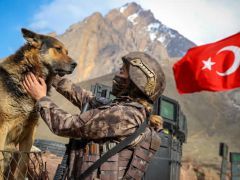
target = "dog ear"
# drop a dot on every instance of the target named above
(32, 38)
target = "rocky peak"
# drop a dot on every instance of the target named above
(102, 40)
(130, 8)
(134, 12)
(95, 17)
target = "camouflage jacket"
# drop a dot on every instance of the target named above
(100, 127)
(117, 119)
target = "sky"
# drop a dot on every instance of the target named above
(201, 21)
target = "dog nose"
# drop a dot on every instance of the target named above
(73, 64)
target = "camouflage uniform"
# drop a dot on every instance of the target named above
(104, 124)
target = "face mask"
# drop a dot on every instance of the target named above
(120, 86)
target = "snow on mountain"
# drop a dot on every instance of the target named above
(132, 18)
(176, 44)
(123, 8)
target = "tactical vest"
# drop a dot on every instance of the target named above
(130, 163)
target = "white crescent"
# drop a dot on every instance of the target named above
(236, 63)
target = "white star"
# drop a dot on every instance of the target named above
(208, 64)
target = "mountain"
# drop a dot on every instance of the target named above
(100, 41)
(144, 20)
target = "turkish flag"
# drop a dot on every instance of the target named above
(211, 67)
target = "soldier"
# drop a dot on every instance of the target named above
(137, 85)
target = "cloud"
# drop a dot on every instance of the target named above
(60, 14)
(201, 21)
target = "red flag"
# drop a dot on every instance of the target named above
(211, 67)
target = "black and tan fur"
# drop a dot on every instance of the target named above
(43, 55)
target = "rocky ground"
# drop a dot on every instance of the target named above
(194, 171)
(52, 163)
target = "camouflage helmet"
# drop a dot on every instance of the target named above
(146, 73)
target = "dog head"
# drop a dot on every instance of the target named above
(53, 54)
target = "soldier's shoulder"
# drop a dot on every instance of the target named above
(134, 104)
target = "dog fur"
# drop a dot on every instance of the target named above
(44, 56)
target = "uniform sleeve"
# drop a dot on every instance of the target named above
(112, 122)
(75, 94)
(59, 121)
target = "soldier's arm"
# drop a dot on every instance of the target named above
(118, 121)
(75, 94)
(59, 121)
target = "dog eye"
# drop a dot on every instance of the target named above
(58, 49)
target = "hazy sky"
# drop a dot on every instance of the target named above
(201, 21)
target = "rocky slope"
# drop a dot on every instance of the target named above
(100, 41)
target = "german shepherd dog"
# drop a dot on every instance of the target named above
(45, 57)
